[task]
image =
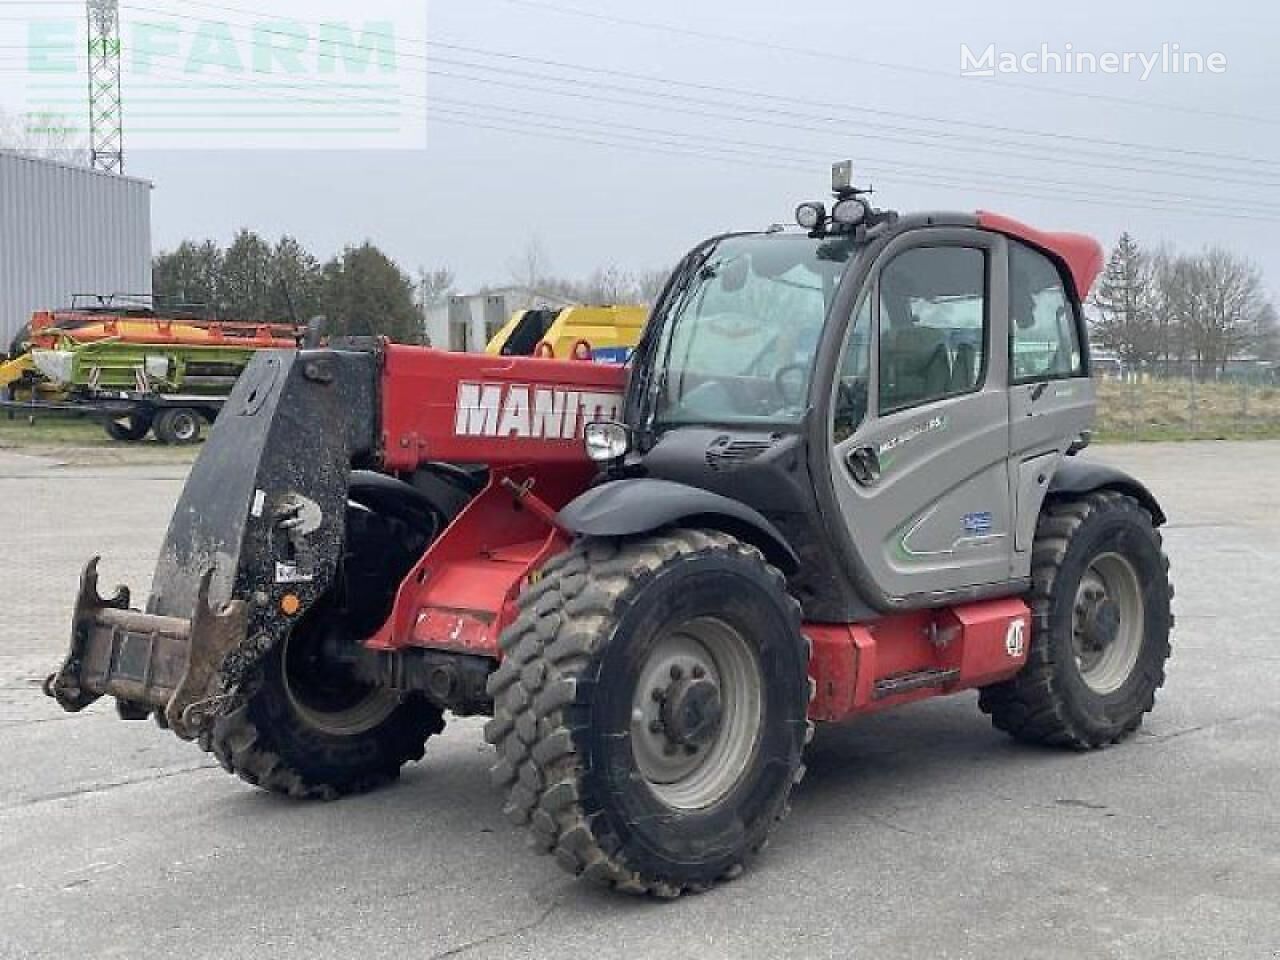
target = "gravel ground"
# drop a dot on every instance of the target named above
(917, 834)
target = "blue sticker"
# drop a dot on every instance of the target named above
(978, 524)
(615, 355)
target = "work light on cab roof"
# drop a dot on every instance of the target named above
(850, 210)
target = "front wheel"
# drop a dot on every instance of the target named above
(650, 712)
(311, 732)
(1101, 621)
(308, 727)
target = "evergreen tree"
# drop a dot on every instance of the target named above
(1124, 301)
(296, 292)
(246, 280)
(367, 294)
(188, 278)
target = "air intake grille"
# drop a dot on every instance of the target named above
(726, 454)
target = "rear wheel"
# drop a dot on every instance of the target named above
(178, 426)
(650, 712)
(129, 429)
(1101, 622)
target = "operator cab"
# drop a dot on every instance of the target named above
(891, 394)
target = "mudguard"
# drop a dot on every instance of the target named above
(624, 508)
(1076, 477)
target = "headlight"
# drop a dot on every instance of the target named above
(606, 441)
(811, 216)
(849, 213)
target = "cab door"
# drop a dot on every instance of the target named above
(1051, 395)
(922, 476)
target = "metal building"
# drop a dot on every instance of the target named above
(67, 230)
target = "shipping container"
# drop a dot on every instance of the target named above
(67, 230)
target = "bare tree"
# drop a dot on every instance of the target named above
(1173, 304)
(650, 284)
(609, 285)
(1232, 307)
(435, 286)
(1214, 308)
(1267, 346)
(531, 270)
(46, 135)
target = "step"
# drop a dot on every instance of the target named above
(919, 680)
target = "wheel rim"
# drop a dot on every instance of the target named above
(696, 713)
(1107, 623)
(185, 427)
(327, 700)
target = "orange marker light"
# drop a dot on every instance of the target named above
(290, 604)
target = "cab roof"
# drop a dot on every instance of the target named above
(1081, 254)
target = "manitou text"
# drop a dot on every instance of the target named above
(530, 412)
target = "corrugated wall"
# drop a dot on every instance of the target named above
(66, 230)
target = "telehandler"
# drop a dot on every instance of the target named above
(839, 475)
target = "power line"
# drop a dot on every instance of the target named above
(734, 154)
(715, 103)
(829, 57)
(666, 103)
(1182, 199)
(239, 83)
(947, 138)
(1173, 167)
(826, 104)
(944, 139)
(517, 128)
(758, 116)
(754, 94)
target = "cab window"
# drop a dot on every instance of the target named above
(1044, 334)
(933, 326)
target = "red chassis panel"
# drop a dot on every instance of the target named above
(524, 417)
(502, 411)
(865, 667)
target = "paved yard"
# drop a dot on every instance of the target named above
(918, 834)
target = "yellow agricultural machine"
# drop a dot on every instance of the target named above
(605, 334)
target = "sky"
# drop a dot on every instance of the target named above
(623, 133)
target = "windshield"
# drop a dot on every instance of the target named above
(740, 338)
